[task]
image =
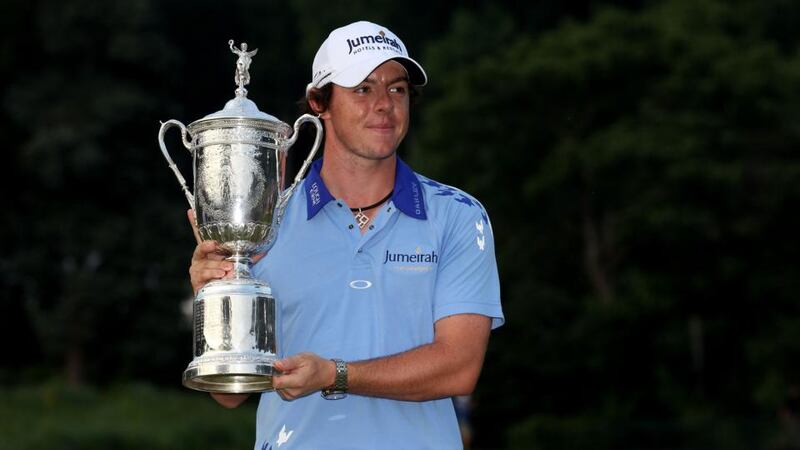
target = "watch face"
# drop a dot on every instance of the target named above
(334, 395)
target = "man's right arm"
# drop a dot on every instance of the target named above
(229, 400)
(207, 265)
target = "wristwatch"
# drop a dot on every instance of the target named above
(338, 389)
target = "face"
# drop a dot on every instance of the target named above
(370, 120)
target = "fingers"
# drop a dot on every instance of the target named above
(203, 272)
(300, 375)
(205, 247)
(208, 272)
(207, 265)
(289, 384)
(288, 364)
(207, 250)
(288, 394)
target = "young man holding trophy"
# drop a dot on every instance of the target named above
(385, 280)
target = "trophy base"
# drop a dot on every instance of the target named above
(229, 379)
(234, 338)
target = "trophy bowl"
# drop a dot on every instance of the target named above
(240, 194)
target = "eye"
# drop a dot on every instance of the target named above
(363, 89)
(399, 87)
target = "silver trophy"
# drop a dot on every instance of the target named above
(240, 195)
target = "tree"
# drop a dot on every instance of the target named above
(88, 277)
(635, 168)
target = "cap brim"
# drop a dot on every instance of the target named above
(358, 72)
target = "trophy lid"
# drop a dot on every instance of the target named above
(241, 107)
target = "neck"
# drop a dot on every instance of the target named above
(356, 180)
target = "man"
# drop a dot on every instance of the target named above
(386, 280)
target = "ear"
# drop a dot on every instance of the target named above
(316, 106)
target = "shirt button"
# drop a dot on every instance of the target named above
(340, 205)
(372, 227)
(350, 226)
(360, 251)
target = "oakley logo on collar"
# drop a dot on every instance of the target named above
(415, 195)
(314, 191)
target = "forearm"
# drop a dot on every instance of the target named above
(229, 400)
(423, 373)
(447, 367)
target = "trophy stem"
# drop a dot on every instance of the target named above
(241, 266)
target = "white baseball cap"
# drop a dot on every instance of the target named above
(352, 52)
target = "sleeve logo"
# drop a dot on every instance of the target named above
(480, 239)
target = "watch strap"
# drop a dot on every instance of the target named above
(339, 387)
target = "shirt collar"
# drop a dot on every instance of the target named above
(317, 194)
(407, 196)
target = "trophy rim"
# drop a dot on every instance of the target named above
(231, 378)
(205, 123)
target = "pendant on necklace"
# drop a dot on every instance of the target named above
(361, 219)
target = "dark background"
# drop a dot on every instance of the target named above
(639, 161)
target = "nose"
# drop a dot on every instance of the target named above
(383, 102)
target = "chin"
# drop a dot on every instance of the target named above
(380, 156)
(377, 155)
(383, 151)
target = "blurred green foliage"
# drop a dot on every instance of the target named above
(562, 433)
(53, 416)
(640, 169)
(638, 160)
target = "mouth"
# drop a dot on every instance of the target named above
(381, 128)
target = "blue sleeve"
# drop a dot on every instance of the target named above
(467, 281)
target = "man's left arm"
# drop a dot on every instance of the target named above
(447, 367)
(466, 308)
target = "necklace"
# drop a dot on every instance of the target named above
(362, 218)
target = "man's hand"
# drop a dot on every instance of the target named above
(303, 374)
(208, 259)
(208, 262)
(207, 265)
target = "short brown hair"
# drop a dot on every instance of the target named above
(322, 96)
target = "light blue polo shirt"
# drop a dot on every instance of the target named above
(427, 254)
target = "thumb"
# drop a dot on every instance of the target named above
(193, 223)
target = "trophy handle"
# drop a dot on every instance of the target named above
(317, 141)
(186, 143)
